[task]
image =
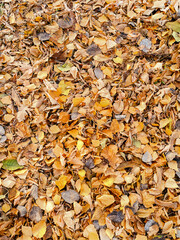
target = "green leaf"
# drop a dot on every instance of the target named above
(65, 67)
(176, 36)
(11, 164)
(175, 26)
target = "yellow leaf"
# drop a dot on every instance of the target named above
(39, 229)
(108, 182)
(54, 129)
(73, 133)
(6, 207)
(118, 60)
(57, 199)
(61, 182)
(65, 67)
(85, 190)
(139, 126)
(107, 71)
(82, 174)
(80, 144)
(168, 131)
(77, 101)
(93, 236)
(105, 102)
(164, 122)
(64, 87)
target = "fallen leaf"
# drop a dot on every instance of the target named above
(11, 164)
(175, 26)
(39, 229)
(171, 183)
(61, 182)
(70, 196)
(164, 122)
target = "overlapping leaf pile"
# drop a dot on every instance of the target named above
(89, 120)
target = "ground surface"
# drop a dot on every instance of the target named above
(89, 120)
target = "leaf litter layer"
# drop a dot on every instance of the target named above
(89, 120)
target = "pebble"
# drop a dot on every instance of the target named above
(70, 196)
(35, 214)
(116, 216)
(147, 158)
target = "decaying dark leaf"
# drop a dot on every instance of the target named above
(145, 45)
(93, 50)
(66, 22)
(147, 158)
(89, 163)
(149, 224)
(34, 192)
(35, 214)
(59, 56)
(116, 216)
(98, 73)
(177, 125)
(43, 36)
(2, 130)
(70, 196)
(22, 210)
